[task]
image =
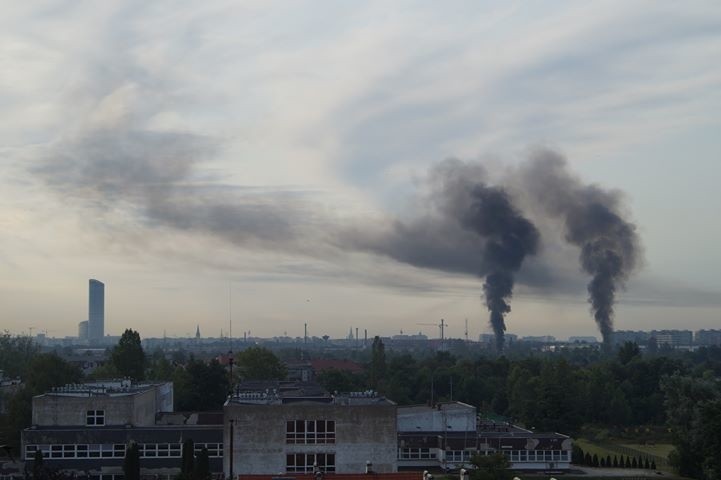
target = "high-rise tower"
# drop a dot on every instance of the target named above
(96, 311)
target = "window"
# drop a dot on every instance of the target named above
(306, 462)
(310, 431)
(415, 454)
(458, 456)
(94, 450)
(119, 450)
(215, 450)
(95, 418)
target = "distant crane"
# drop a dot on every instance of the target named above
(442, 325)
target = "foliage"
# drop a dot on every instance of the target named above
(131, 462)
(378, 362)
(200, 386)
(627, 352)
(202, 465)
(335, 380)
(16, 354)
(694, 416)
(187, 462)
(490, 467)
(159, 367)
(128, 356)
(258, 363)
(45, 371)
(38, 466)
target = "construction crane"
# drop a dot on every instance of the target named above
(442, 325)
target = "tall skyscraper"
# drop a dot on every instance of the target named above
(96, 311)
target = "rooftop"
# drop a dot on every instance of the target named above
(284, 392)
(117, 387)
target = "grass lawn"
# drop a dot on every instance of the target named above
(592, 448)
(660, 449)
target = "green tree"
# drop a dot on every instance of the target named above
(693, 409)
(202, 465)
(16, 353)
(335, 380)
(128, 356)
(490, 467)
(258, 363)
(131, 463)
(38, 468)
(45, 371)
(200, 386)
(628, 351)
(159, 367)
(378, 362)
(187, 462)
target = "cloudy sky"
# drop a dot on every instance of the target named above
(182, 151)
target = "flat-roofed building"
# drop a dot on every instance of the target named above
(296, 428)
(447, 435)
(84, 430)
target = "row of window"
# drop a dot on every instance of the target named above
(538, 455)
(309, 462)
(465, 455)
(415, 454)
(310, 431)
(117, 450)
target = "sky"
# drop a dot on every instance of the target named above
(255, 160)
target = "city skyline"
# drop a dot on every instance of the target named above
(177, 159)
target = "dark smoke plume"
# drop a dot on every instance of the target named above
(510, 238)
(472, 227)
(594, 221)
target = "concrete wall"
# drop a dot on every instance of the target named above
(65, 410)
(450, 417)
(363, 432)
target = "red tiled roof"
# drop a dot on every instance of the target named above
(320, 365)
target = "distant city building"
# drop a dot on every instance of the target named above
(673, 338)
(708, 337)
(83, 331)
(663, 338)
(582, 339)
(96, 311)
(489, 338)
(540, 339)
(623, 336)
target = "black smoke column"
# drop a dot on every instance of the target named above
(608, 253)
(594, 221)
(510, 238)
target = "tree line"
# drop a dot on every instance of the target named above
(563, 392)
